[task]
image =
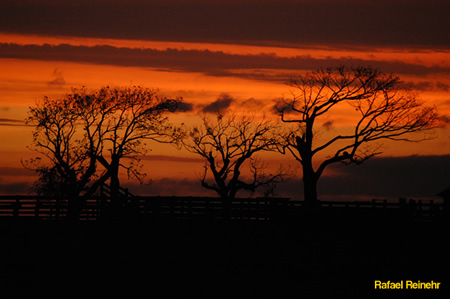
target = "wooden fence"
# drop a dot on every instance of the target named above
(175, 207)
(212, 208)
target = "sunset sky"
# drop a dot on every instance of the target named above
(229, 55)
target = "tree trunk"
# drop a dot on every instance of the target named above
(310, 190)
(114, 185)
(116, 204)
(310, 179)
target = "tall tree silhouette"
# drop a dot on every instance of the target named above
(86, 128)
(227, 143)
(72, 164)
(118, 123)
(383, 109)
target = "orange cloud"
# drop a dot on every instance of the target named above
(210, 77)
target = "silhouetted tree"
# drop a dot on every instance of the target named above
(227, 143)
(106, 125)
(71, 164)
(118, 122)
(382, 106)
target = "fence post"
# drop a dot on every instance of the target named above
(431, 210)
(208, 209)
(190, 209)
(182, 209)
(57, 208)
(266, 209)
(420, 211)
(171, 206)
(36, 208)
(17, 206)
(402, 202)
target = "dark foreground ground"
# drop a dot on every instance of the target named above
(314, 255)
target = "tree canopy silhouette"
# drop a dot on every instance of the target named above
(383, 107)
(84, 128)
(227, 143)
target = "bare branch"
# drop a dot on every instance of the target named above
(386, 112)
(86, 128)
(227, 143)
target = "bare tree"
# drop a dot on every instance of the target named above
(71, 165)
(384, 109)
(227, 143)
(119, 122)
(85, 128)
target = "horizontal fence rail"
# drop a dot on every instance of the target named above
(46, 208)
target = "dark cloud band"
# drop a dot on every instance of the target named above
(349, 22)
(213, 63)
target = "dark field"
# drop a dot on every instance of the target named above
(326, 253)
